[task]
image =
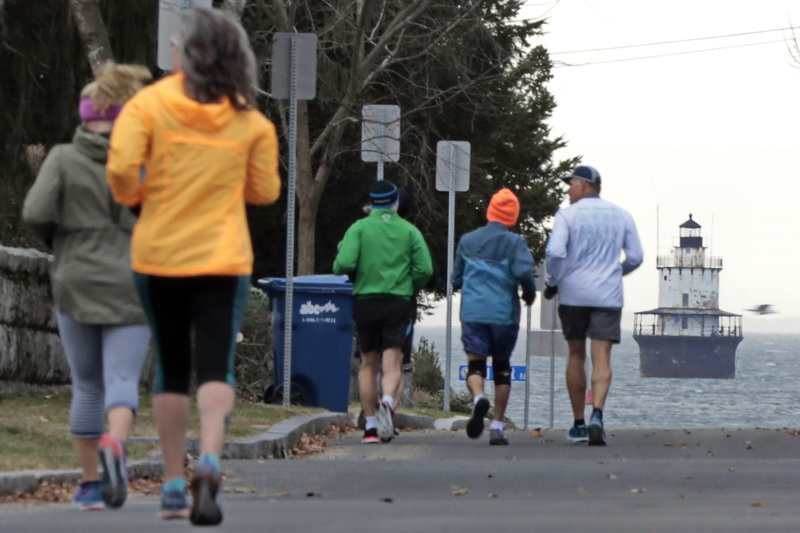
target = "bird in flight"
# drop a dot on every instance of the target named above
(762, 309)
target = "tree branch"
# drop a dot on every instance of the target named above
(234, 7)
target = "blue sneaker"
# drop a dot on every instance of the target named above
(87, 497)
(578, 434)
(497, 437)
(205, 486)
(173, 504)
(597, 436)
(114, 483)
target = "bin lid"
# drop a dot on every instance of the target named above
(318, 283)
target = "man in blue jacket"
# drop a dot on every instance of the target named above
(583, 266)
(491, 262)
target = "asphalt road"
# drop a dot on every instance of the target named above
(643, 481)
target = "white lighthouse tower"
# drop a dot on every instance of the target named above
(688, 335)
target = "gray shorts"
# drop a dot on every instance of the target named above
(600, 323)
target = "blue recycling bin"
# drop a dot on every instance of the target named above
(322, 340)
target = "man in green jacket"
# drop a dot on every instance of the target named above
(391, 262)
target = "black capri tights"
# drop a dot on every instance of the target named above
(210, 307)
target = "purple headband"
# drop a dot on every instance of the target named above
(88, 113)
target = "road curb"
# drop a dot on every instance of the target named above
(277, 441)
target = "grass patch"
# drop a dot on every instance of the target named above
(34, 430)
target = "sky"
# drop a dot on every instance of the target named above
(714, 133)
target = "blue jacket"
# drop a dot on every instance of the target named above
(490, 263)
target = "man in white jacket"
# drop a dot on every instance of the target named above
(583, 267)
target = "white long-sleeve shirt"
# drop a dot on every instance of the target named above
(584, 249)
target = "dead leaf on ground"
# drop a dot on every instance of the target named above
(758, 504)
(460, 491)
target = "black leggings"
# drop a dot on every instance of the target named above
(211, 307)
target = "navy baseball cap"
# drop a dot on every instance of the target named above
(585, 173)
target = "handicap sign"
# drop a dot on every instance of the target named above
(518, 373)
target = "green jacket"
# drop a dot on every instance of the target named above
(71, 208)
(388, 255)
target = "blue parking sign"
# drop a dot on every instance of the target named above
(518, 373)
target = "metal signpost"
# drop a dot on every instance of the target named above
(294, 77)
(169, 21)
(545, 340)
(380, 134)
(452, 175)
(527, 365)
(553, 362)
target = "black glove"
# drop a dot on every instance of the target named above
(529, 298)
(550, 291)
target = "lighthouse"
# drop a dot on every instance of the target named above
(688, 336)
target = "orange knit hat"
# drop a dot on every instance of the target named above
(504, 208)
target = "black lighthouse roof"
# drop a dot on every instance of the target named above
(691, 224)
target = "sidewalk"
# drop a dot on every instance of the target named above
(276, 442)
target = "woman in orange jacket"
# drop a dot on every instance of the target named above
(189, 151)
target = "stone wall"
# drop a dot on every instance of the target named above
(30, 350)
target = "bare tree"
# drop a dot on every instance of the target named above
(92, 30)
(234, 7)
(2, 23)
(373, 37)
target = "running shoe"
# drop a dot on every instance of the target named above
(87, 497)
(114, 483)
(174, 505)
(205, 487)
(475, 423)
(385, 422)
(597, 436)
(497, 437)
(578, 434)
(370, 436)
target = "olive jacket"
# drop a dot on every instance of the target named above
(71, 208)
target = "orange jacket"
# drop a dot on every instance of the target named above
(202, 162)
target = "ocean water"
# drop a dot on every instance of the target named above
(765, 392)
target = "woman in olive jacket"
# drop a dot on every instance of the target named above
(100, 320)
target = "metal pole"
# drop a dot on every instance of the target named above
(552, 364)
(527, 366)
(382, 144)
(451, 224)
(290, 205)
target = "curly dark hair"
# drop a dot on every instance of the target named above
(216, 59)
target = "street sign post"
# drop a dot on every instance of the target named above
(452, 174)
(380, 134)
(169, 22)
(294, 64)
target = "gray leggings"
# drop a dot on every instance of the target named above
(105, 361)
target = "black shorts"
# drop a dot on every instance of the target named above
(599, 323)
(381, 323)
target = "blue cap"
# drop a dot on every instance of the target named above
(585, 173)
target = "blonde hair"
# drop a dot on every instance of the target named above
(114, 84)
